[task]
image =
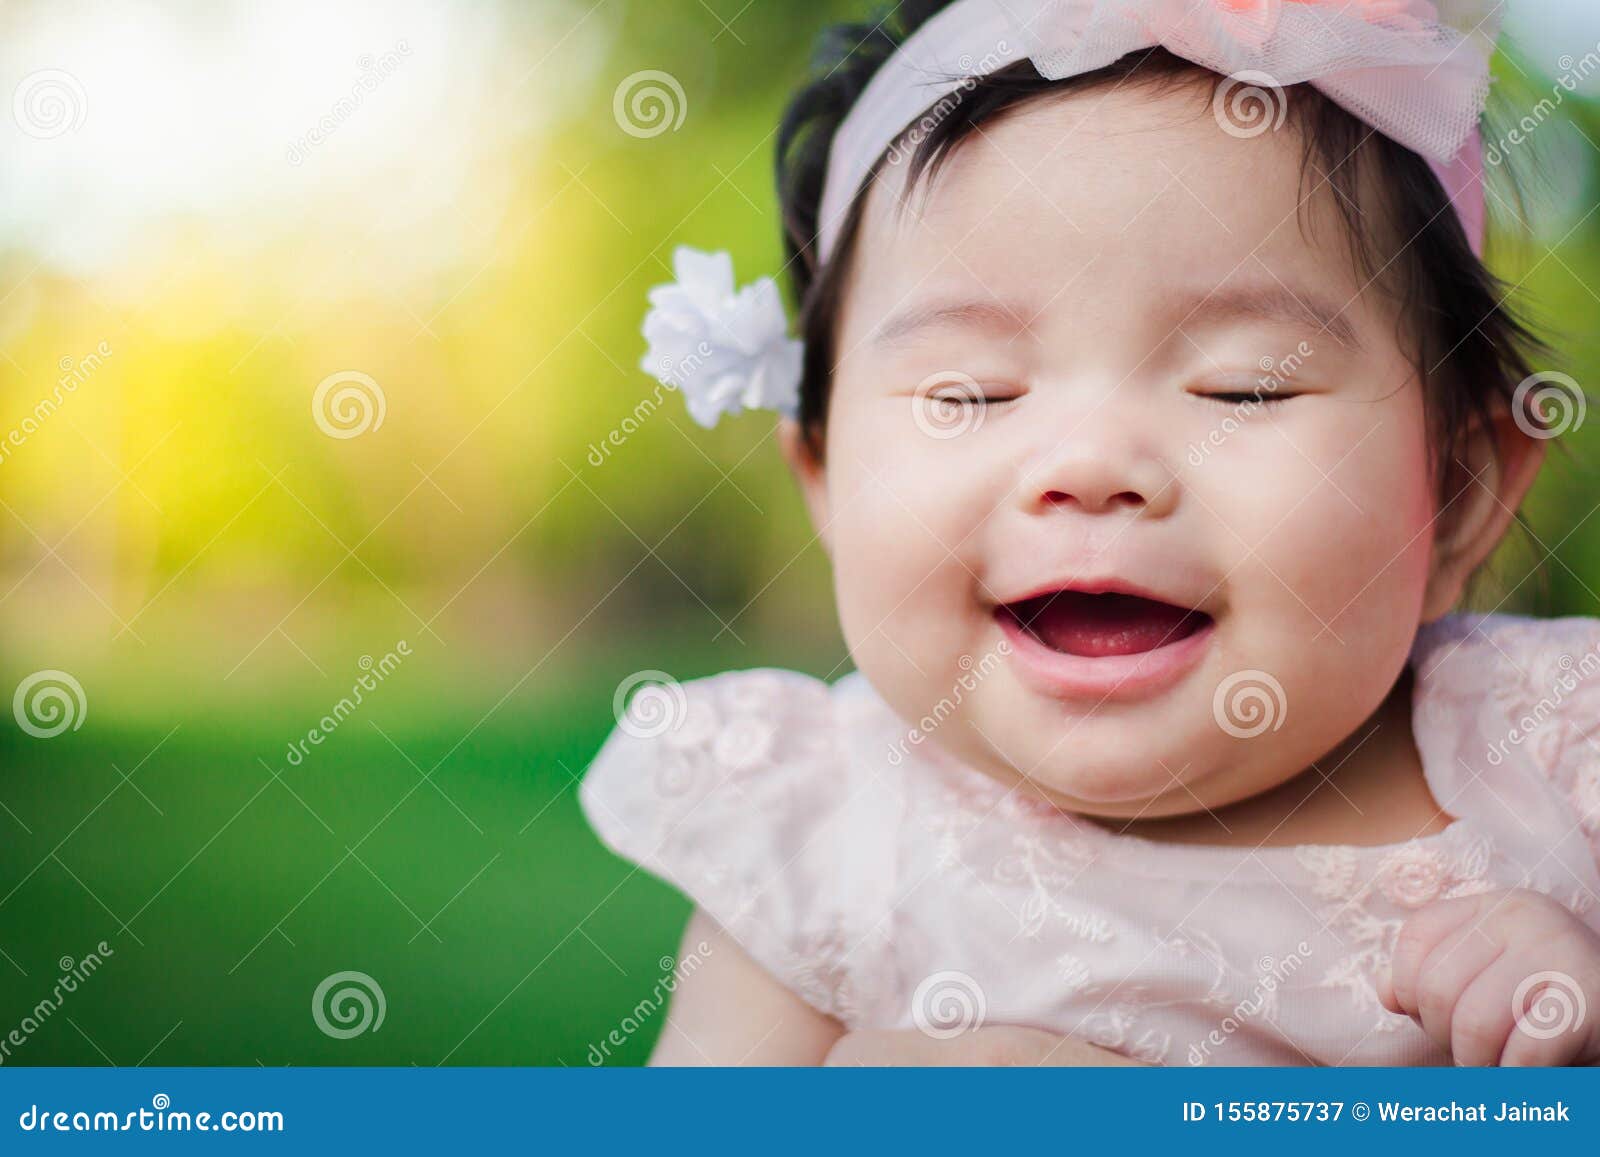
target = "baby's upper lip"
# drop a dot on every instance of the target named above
(1105, 583)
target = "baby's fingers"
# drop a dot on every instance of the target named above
(1484, 1015)
(1446, 973)
(1549, 1011)
(1418, 937)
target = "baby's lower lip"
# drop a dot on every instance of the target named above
(1116, 659)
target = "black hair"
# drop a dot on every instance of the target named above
(1470, 349)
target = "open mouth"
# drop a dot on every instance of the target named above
(1097, 625)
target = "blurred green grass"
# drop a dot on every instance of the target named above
(500, 933)
(433, 842)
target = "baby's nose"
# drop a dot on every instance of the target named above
(1101, 479)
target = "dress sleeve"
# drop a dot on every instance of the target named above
(735, 790)
(1540, 681)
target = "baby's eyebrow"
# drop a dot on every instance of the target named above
(978, 313)
(1270, 302)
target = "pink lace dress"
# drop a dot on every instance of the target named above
(900, 891)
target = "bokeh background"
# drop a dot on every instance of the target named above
(450, 213)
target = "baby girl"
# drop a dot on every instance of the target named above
(1154, 409)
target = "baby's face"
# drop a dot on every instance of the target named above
(1058, 519)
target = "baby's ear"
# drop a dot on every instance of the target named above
(1493, 469)
(805, 463)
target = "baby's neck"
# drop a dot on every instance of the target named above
(1370, 790)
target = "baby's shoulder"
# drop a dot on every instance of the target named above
(1514, 662)
(1514, 637)
(738, 789)
(1521, 691)
(703, 746)
(736, 722)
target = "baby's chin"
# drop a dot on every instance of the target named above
(1123, 784)
(1114, 790)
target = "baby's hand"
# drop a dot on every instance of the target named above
(992, 1045)
(1506, 977)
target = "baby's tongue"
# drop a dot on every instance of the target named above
(1107, 624)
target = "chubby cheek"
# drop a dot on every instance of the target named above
(1328, 590)
(1357, 552)
(1328, 514)
(899, 534)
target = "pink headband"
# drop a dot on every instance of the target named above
(1418, 72)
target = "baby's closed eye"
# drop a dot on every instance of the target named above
(1237, 396)
(954, 388)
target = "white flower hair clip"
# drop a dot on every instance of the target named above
(726, 350)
